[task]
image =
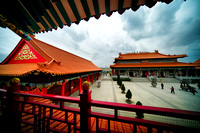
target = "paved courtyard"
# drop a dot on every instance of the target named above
(145, 93)
(148, 95)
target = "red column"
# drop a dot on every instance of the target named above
(12, 115)
(88, 78)
(4, 86)
(92, 78)
(28, 88)
(44, 90)
(63, 89)
(80, 85)
(85, 111)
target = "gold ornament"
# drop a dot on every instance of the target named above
(15, 80)
(85, 86)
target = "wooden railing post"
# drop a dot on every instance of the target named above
(80, 85)
(85, 110)
(63, 89)
(12, 115)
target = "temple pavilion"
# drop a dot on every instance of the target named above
(47, 68)
(142, 64)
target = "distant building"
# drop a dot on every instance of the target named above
(142, 64)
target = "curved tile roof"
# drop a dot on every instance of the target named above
(157, 64)
(57, 61)
(147, 55)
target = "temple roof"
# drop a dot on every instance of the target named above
(157, 64)
(197, 61)
(147, 55)
(34, 16)
(35, 55)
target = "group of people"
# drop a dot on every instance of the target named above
(191, 89)
(172, 88)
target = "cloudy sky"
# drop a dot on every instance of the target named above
(171, 29)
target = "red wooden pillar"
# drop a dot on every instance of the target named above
(92, 78)
(79, 85)
(69, 89)
(44, 90)
(63, 89)
(85, 111)
(28, 88)
(12, 115)
(4, 86)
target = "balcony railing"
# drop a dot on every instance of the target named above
(88, 115)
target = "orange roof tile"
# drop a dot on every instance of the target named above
(17, 69)
(197, 61)
(147, 55)
(157, 64)
(57, 61)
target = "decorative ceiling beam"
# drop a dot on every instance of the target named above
(12, 27)
(63, 12)
(35, 16)
(86, 8)
(96, 8)
(75, 11)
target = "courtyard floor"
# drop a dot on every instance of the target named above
(148, 95)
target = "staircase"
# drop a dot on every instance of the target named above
(136, 79)
(168, 80)
(164, 80)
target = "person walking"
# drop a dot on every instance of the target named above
(172, 90)
(193, 90)
(162, 85)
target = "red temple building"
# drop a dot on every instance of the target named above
(143, 64)
(52, 70)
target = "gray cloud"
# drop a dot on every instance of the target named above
(75, 35)
(147, 23)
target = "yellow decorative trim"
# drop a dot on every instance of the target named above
(14, 28)
(25, 54)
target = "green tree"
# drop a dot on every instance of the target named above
(119, 82)
(123, 88)
(129, 94)
(139, 114)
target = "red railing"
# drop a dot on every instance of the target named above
(79, 118)
(192, 118)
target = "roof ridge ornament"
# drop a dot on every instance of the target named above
(45, 64)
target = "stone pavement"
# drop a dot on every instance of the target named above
(148, 95)
(145, 93)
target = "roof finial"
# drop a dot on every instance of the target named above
(156, 51)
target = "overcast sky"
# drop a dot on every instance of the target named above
(170, 29)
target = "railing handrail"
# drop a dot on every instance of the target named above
(177, 113)
(148, 109)
(48, 96)
(194, 115)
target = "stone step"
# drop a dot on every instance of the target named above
(168, 80)
(136, 79)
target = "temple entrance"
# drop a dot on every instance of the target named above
(144, 73)
(131, 74)
(162, 74)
